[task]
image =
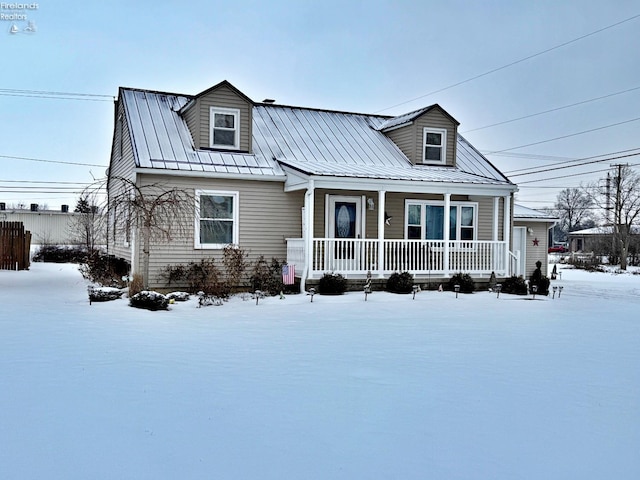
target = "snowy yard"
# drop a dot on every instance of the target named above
(477, 387)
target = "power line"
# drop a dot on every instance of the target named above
(549, 169)
(569, 176)
(571, 160)
(51, 161)
(475, 77)
(94, 97)
(565, 136)
(552, 110)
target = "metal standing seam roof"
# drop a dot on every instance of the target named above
(521, 213)
(316, 142)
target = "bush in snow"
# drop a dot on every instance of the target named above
(267, 277)
(60, 254)
(332, 284)
(104, 294)
(178, 296)
(149, 300)
(464, 280)
(400, 283)
(514, 285)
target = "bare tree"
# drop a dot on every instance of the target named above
(625, 206)
(574, 207)
(157, 211)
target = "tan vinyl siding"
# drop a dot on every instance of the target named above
(534, 253)
(122, 166)
(486, 220)
(222, 97)
(192, 117)
(395, 208)
(267, 216)
(410, 138)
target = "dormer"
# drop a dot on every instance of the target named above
(426, 136)
(220, 119)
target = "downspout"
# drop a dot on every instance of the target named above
(309, 197)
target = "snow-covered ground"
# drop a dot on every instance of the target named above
(477, 387)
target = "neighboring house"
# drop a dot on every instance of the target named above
(46, 226)
(531, 239)
(599, 241)
(327, 191)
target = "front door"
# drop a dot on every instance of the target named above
(344, 225)
(520, 247)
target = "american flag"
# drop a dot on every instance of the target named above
(288, 274)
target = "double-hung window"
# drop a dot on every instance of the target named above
(216, 219)
(434, 145)
(425, 220)
(224, 128)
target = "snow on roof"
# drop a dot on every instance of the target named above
(317, 142)
(521, 213)
(604, 230)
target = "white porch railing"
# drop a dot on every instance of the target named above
(419, 257)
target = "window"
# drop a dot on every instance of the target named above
(224, 128)
(216, 219)
(434, 145)
(425, 220)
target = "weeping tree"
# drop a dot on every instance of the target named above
(621, 197)
(157, 211)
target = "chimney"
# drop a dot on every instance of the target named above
(34, 207)
(268, 100)
(64, 208)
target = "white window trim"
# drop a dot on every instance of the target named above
(236, 216)
(227, 111)
(439, 203)
(441, 131)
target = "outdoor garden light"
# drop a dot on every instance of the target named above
(258, 295)
(371, 204)
(498, 288)
(415, 290)
(534, 290)
(312, 292)
(555, 289)
(457, 289)
(560, 290)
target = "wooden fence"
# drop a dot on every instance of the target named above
(15, 244)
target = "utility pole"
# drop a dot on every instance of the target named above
(617, 214)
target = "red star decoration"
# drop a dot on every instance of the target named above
(536, 242)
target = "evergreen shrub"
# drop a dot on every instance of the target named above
(464, 280)
(514, 285)
(400, 283)
(332, 284)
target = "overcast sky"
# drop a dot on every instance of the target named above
(368, 56)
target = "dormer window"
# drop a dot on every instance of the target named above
(225, 128)
(434, 145)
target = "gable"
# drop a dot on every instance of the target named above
(225, 97)
(408, 133)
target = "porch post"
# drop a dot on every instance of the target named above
(447, 227)
(309, 203)
(496, 223)
(381, 215)
(507, 232)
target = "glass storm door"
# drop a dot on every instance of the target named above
(344, 225)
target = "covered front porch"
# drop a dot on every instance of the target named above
(355, 258)
(391, 230)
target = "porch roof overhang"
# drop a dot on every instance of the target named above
(300, 175)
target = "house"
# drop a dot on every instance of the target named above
(531, 239)
(599, 241)
(324, 190)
